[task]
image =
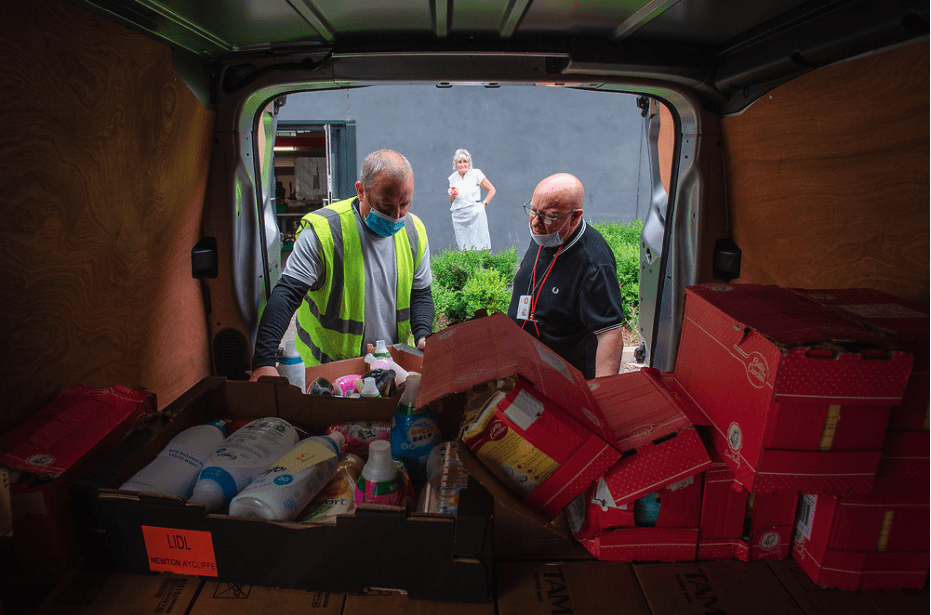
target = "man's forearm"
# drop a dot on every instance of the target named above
(610, 350)
(422, 313)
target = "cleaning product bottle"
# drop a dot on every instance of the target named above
(414, 432)
(242, 456)
(380, 481)
(369, 389)
(291, 366)
(282, 491)
(176, 468)
(381, 350)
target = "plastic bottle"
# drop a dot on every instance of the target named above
(380, 481)
(446, 477)
(414, 432)
(242, 457)
(176, 468)
(291, 366)
(381, 350)
(369, 389)
(282, 491)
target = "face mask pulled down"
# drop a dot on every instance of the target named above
(382, 224)
(550, 240)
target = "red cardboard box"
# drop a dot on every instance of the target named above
(469, 363)
(905, 461)
(664, 455)
(878, 541)
(53, 447)
(906, 321)
(742, 525)
(798, 396)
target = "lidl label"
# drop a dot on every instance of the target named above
(180, 551)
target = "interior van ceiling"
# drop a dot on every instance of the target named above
(715, 47)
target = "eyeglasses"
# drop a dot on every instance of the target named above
(547, 220)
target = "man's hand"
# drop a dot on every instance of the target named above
(265, 370)
(422, 343)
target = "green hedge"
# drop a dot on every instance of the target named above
(470, 280)
(624, 239)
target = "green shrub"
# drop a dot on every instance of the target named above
(469, 280)
(624, 239)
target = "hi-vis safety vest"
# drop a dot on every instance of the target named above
(331, 319)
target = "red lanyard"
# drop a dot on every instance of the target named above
(533, 284)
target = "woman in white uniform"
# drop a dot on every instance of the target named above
(467, 205)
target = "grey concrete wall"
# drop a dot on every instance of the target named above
(517, 135)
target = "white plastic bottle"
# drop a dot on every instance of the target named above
(380, 481)
(282, 491)
(242, 456)
(176, 468)
(291, 366)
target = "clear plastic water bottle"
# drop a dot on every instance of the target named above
(291, 366)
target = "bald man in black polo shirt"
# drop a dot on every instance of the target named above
(566, 291)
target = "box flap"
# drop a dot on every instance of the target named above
(788, 319)
(637, 407)
(493, 348)
(656, 465)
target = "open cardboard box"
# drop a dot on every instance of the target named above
(798, 396)
(663, 454)
(428, 556)
(331, 371)
(51, 449)
(472, 363)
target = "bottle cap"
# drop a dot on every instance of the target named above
(290, 349)
(252, 507)
(380, 467)
(210, 494)
(338, 439)
(368, 388)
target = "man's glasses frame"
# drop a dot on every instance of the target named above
(547, 220)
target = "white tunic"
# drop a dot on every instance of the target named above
(468, 211)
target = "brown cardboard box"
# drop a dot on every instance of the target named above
(714, 587)
(99, 593)
(429, 556)
(579, 588)
(218, 598)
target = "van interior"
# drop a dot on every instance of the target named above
(141, 165)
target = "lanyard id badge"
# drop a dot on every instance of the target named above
(523, 307)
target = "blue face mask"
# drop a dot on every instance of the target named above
(381, 224)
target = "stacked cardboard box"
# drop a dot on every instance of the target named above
(877, 540)
(796, 397)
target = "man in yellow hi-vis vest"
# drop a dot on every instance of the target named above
(359, 272)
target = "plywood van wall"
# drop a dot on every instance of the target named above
(105, 154)
(828, 178)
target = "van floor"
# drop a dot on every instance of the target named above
(537, 572)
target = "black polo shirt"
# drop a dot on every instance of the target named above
(579, 298)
